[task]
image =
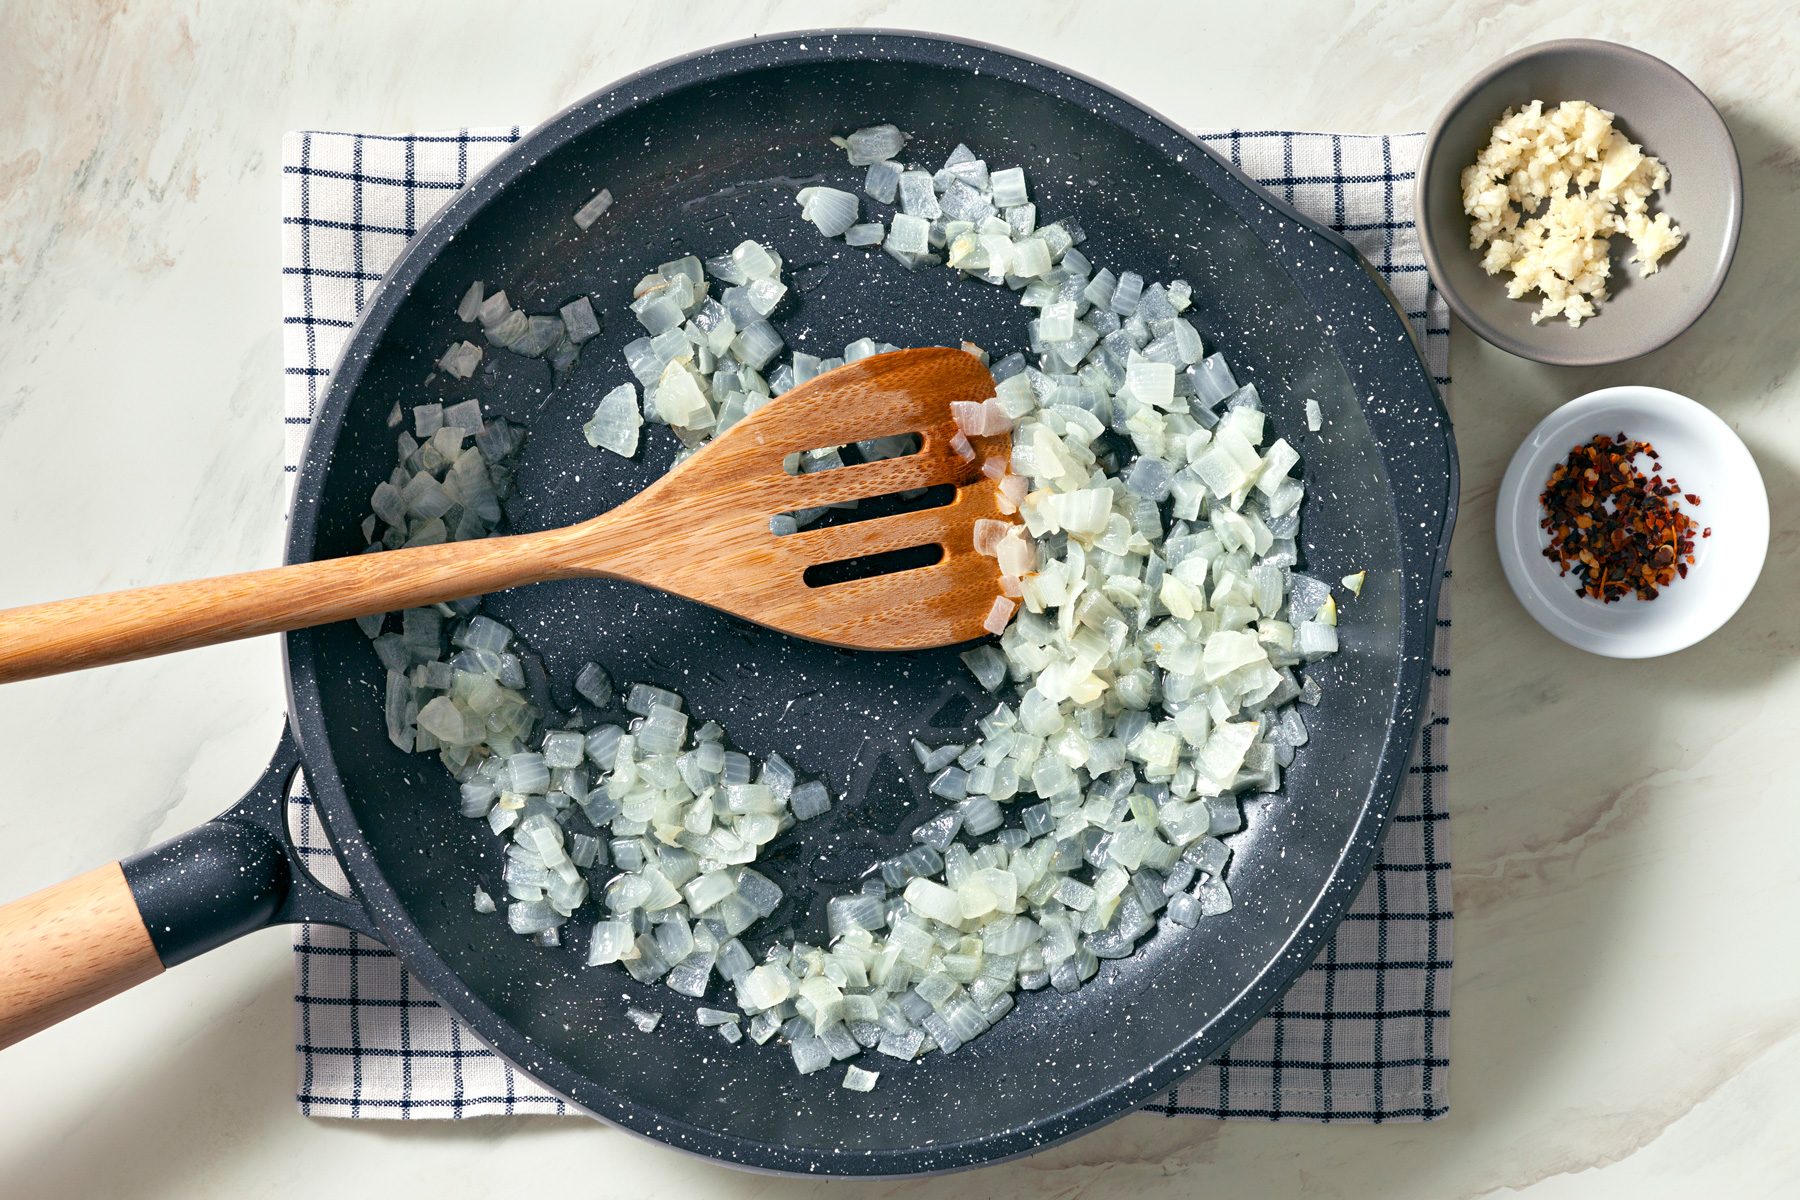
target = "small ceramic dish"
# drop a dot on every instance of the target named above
(1709, 460)
(1656, 106)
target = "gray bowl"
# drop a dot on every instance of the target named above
(1655, 105)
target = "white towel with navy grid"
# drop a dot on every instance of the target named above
(1363, 1035)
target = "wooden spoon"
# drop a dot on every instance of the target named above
(701, 531)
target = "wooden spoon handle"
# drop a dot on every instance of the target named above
(69, 947)
(68, 635)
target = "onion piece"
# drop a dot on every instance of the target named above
(579, 320)
(460, 360)
(875, 144)
(616, 422)
(870, 234)
(831, 210)
(1009, 187)
(999, 614)
(470, 305)
(593, 210)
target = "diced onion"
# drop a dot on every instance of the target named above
(1147, 638)
(878, 143)
(594, 209)
(616, 422)
(470, 304)
(833, 211)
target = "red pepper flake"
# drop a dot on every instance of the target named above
(1618, 531)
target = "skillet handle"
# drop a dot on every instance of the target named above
(76, 943)
(70, 946)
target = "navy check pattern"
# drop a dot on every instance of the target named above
(1363, 1034)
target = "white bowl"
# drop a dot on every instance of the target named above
(1697, 449)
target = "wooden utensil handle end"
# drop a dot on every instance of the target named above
(92, 631)
(69, 947)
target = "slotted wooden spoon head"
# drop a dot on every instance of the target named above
(702, 531)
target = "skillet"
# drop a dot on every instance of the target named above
(700, 153)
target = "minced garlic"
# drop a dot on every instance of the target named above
(1597, 183)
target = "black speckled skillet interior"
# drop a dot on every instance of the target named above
(701, 153)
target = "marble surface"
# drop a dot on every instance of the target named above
(1627, 1009)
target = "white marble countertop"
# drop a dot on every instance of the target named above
(1627, 992)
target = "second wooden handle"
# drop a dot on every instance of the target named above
(68, 947)
(69, 635)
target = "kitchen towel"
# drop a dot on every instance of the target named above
(1363, 1033)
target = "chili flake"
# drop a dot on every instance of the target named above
(1620, 532)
